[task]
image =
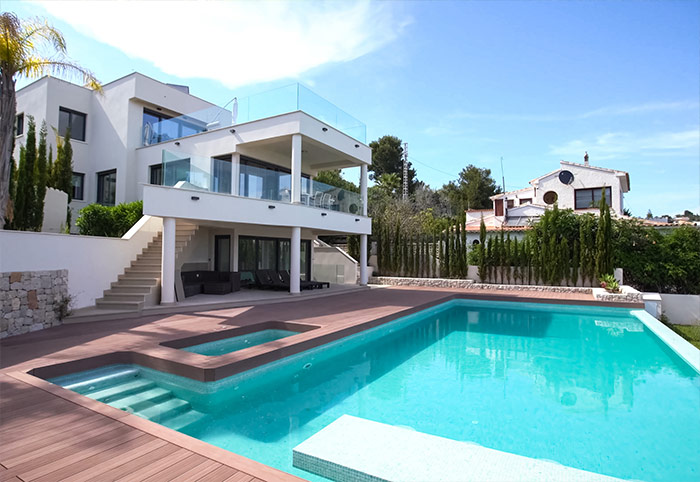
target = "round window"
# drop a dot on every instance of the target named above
(550, 197)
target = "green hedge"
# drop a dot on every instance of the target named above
(111, 221)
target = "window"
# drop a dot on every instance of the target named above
(78, 185)
(156, 174)
(19, 125)
(526, 201)
(550, 197)
(589, 198)
(107, 187)
(261, 180)
(73, 120)
(270, 253)
(159, 127)
(511, 203)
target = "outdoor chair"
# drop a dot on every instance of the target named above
(304, 285)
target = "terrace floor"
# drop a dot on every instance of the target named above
(50, 433)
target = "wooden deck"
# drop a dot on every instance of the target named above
(48, 433)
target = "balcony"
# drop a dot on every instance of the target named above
(215, 175)
(290, 98)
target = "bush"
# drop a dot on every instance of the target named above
(111, 221)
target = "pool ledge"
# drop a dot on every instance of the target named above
(356, 449)
(680, 346)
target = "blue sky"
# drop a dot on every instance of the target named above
(461, 82)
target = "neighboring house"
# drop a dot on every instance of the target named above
(572, 186)
(235, 193)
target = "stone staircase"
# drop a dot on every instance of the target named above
(139, 286)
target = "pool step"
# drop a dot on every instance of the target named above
(143, 400)
(165, 410)
(101, 381)
(119, 391)
(184, 420)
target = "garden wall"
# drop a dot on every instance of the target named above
(32, 300)
(92, 262)
(681, 309)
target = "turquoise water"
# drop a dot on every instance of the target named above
(235, 343)
(587, 387)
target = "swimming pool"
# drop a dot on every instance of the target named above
(235, 343)
(591, 388)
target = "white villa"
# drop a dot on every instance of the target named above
(227, 191)
(572, 186)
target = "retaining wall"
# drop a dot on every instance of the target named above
(32, 300)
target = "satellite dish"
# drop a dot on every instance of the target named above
(566, 177)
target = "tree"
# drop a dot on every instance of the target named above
(334, 178)
(41, 179)
(472, 190)
(21, 44)
(25, 195)
(390, 184)
(387, 158)
(482, 250)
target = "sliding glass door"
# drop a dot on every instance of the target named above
(271, 253)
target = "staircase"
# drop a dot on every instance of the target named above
(127, 390)
(139, 286)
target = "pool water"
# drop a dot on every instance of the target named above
(587, 387)
(235, 343)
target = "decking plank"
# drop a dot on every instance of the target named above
(240, 477)
(220, 474)
(156, 465)
(197, 472)
(128, 467)
(93, 460)
(42, 425)
(179, 467)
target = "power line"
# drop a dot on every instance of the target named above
(433, 168)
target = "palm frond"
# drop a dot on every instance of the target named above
(35, 66)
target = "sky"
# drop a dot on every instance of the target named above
(462, 82)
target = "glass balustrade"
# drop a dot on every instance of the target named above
(214, 175)
(290, 98)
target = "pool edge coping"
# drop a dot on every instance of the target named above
(679, 345)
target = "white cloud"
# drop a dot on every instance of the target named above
(616, 144)
(236, 43)
(609, 111)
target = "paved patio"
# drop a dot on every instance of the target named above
(49, 433)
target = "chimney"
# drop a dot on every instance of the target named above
(585, 159)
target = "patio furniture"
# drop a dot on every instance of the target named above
(268, 279)
(210, 282)
(311, 285)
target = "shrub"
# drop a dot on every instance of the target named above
(111, 221)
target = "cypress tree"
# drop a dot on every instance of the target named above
(508, 256)
(515, 260)
(441, 250)
(20, 190)
(575, 263)
(565, 260)
(458, 250)
(489, 260)
(454, 256)
(426, 257)
(41, 176)
(26, 188)
(433, 264)
(465, 248)
(446, 272)
(482, 249)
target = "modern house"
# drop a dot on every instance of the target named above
(572, 186)
(223, 190)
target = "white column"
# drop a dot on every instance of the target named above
(167, 270)
(363, 259)
(295, 261)
(363, 188)
(234, 250)
(235, 173)
(296, 168)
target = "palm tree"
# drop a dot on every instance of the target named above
(20, 56)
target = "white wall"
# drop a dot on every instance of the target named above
(55, 209)
(92, 262)
(326, 259)
(681, 309)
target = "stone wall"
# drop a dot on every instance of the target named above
(32, 300)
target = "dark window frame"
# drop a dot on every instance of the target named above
(593, 190)
(19, 124)
(100, 185)
(526, 200)
(157, 170)
(255, 239)
(78, 193)
(71, 113)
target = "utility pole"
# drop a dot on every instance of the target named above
(405, 171)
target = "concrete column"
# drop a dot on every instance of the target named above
(295, 261)
(234, 251)
(363, 259)
(363, 188)
(167, 270)
(235, 173)
(296, 168)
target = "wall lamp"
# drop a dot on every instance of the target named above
(357, 220)
(324, 214)
(271, 206)
(195, 198)
(177, 143)
(325, 129)
(357, 145)
(232, 131)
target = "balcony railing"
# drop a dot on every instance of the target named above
(214, 175)
(279, 101)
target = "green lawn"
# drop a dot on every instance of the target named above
(689, 332)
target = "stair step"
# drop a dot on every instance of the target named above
(144, 267)
(100, 381)
(110, 296)
(165, 410)
(154, 261)
(137, 279)
(121, 288)
(183, 421)
(115, 392)
(118, 305)
(146, 271)
(143, 400)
